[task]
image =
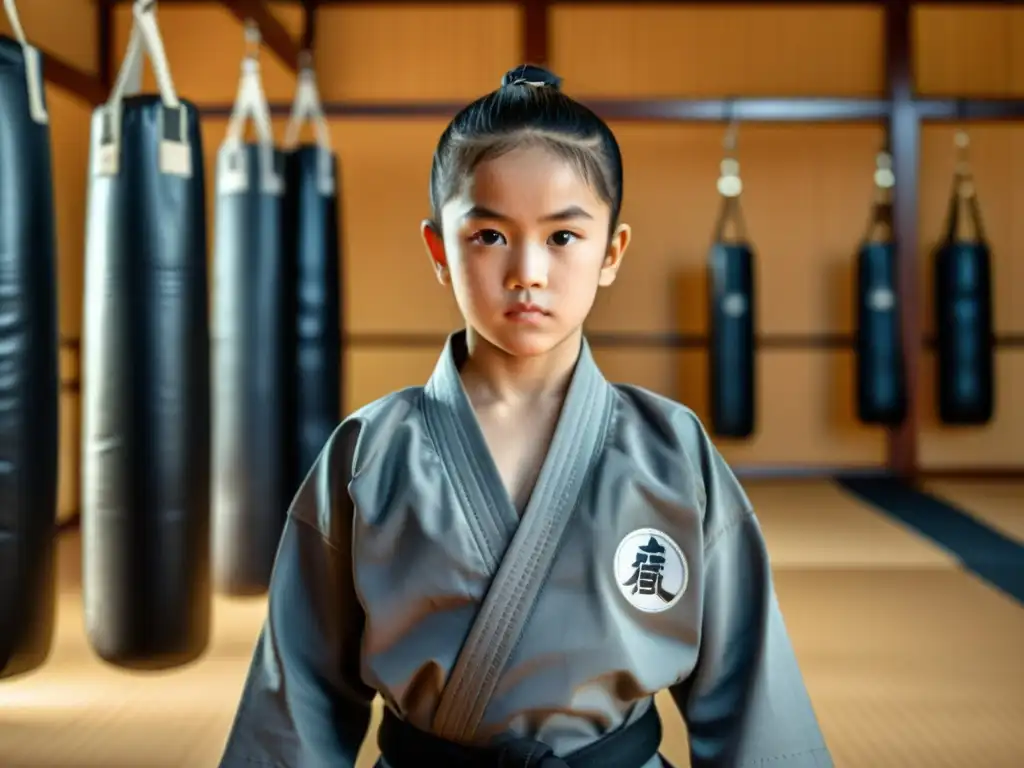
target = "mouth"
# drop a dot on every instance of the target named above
(524, 309)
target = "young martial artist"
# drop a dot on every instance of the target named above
(519, 555)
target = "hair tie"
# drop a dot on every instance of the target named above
(535, 77)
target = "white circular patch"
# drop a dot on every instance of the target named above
(651, 570)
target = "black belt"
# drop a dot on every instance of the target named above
(404, 746)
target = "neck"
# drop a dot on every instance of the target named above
(491, 376)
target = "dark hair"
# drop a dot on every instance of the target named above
(528, 108)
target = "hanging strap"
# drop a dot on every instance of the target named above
(730, 186)
(175, 152)
(306, 107)
(33, 68)
(963, 223)
(250, 103)
(880, 224)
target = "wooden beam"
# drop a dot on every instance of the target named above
(536, 38)
(105, 43)
(274, 35)
(72, 79)
(749, 110)
(309, 24)
(905, 146)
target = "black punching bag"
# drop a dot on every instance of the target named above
(312, 220)
(881, 384)
(963, 312)
(312, 235)
(252, 360)
(28, 364)
(145, 475)
(731, 360)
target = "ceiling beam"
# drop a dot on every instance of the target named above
(272, 31)
(72, 79)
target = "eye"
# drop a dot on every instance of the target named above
(488, 238)
(563, 238)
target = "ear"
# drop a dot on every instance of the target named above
(613, 257)
(435, 250)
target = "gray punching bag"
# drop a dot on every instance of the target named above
(28, 363)
(145, 474)
(251, 363)
(311, 229)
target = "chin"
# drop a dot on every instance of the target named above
(523, 342)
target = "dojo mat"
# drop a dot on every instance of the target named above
(912, 659)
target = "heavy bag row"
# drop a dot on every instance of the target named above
(147, 418)
(276, 346)
(964, 336)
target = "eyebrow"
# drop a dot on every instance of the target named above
(572, 212)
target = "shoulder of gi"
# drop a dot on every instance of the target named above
(323, 501)
(676, 429)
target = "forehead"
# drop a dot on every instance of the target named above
(526, 180)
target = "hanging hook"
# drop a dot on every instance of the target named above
(729, 143)
(885, 178)
(729, 182)
(253, 39)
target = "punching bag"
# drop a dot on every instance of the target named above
(252, 371)
(145, 473)
(731, 363)
(311, 227)
(881, 388)
(29, 387)
(963, 310)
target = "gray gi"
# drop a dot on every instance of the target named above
(637, 566)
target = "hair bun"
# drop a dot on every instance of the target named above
(528, 74)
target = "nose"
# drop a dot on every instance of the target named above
(529, 268)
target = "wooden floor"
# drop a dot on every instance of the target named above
(911, 662)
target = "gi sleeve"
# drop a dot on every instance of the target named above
(304, 704)
(745, 704)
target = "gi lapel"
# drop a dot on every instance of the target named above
(457, 434)
(523, 567)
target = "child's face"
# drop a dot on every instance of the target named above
(526, 230)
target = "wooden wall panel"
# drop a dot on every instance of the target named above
(69, 144)
(400, 52)
(70, 122)
(69, 485)
(658, 50)
(205, 45)
(807, 197)
(372, 373)
(970, 49)
(390, 286)
(66, 28)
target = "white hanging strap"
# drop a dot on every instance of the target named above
(250, 102)
(145, 39)
(33, 67)
(175, 151)
(307, 107)
(133, 71)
